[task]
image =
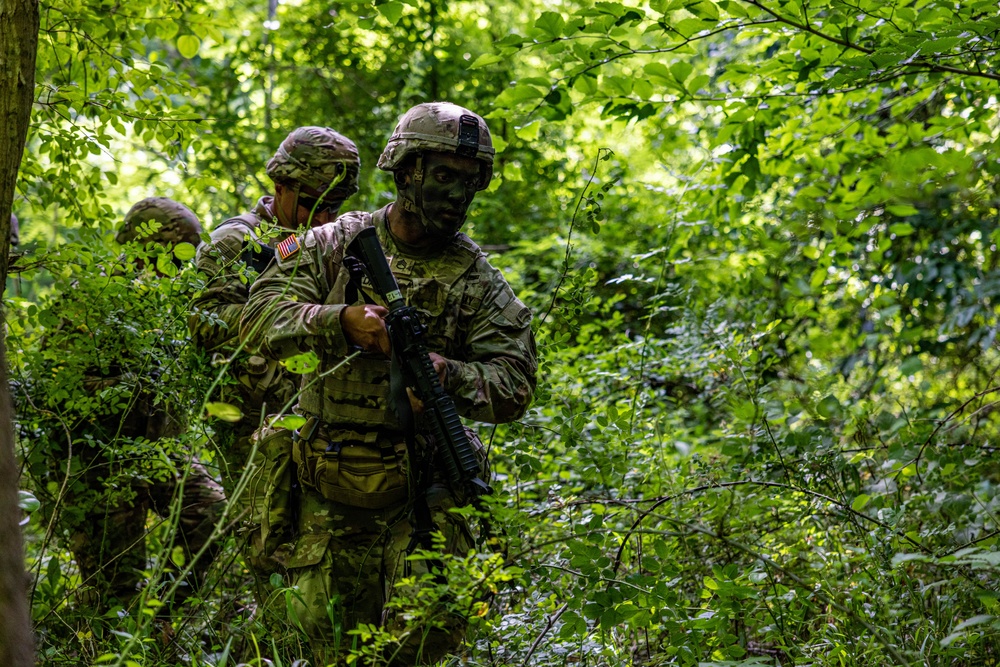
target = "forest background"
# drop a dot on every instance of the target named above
(760, 241)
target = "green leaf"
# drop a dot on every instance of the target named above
(681, 70)
(975, 620)
(551, 23)
(901, 229)
(586, 84)
(392, 11)
(830, 408)
(302, 363)
(705, 9)
(188, 45)
(657, 71)
(530, 131)
(613, 8)
(26, 500)
(860, 502)
(519, 95)
(184, 251)
(711, 584)
(224, 411)
(165, 265)
(166, 29)
(290, 422)
(911, 365)
(512, 172)
(486, 60)
(902, 210)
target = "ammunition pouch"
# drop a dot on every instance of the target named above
(365, 470)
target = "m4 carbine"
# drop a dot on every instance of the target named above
(412, 360)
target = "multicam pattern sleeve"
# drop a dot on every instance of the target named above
(287, 314)
(215, 314)
(492, 373)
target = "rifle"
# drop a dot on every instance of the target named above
(411, 361)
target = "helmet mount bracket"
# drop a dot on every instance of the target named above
(468, 136)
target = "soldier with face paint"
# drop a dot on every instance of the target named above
(314, 170)
(360, 502)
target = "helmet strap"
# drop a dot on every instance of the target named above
(295, 208)
(415, 204)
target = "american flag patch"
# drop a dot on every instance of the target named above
(288, 247)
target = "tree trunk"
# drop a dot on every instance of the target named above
(18, 47)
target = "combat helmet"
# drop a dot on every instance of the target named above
(316, 157)
(178, 224)
(442, 127)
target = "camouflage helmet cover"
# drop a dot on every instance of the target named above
(315, 156)
(443, 127)
(178, 223)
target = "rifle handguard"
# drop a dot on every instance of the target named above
(406, 333)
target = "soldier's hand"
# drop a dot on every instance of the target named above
(364, 326)
(441, 368)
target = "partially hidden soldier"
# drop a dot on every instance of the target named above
(106, 523)
(361, 504)
(314, 170)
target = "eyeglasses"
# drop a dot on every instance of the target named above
(324, 206)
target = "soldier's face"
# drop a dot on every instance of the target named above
(450, 183)
(294, 214)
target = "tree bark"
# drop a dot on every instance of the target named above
(19, 20)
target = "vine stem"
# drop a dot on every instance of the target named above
(602, 154)
(548, 626)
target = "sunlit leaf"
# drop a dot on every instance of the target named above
(188, 45)
(485, 60)
(289, 422)
(392, 11)
(530, 131)
(184, 251)
(224, 411)
(301, 364)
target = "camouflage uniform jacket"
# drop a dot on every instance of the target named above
(473, 317)
(216, 311)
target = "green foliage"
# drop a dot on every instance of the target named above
(760, 241)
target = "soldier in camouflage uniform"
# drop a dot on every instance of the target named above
(314, 170)
(356, 515)
(107, 530)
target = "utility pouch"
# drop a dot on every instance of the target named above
(256, 375)
(354, 469)
(272, 497)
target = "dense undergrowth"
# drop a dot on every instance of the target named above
(760, 243)
(710, 473)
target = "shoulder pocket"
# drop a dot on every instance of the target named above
(510, 312)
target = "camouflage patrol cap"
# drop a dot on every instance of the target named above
(443, 127)
(178, 223)
(315, 156)
(15, 231)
